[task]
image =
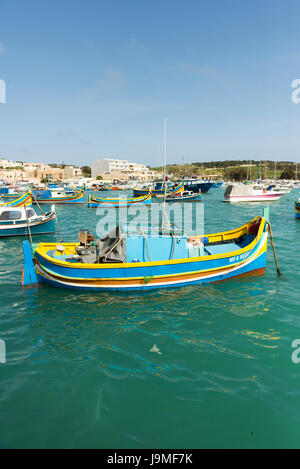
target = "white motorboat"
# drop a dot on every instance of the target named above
(250, 193)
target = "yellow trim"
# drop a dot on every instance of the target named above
(166, 277)
(42, 247)
(120, 200)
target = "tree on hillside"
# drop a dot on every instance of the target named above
(239, 174)
(287, 173)
(86, 171)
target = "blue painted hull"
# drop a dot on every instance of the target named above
(256, 267)
(195, 186)
(184, 199)
(164, 272)
(43, 228)
(297, 210)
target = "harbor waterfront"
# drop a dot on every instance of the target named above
(205, 366)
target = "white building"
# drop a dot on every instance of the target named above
(4, 163)
(110, 165)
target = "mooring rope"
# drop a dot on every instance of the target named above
(273, 246)
(31, 193)
(28, 225)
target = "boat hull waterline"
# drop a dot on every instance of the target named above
(297, 210)
(70, 199)
(142, 276)
(43, 225)
(118, 202)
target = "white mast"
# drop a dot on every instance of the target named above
(165, 145)
(260, 171)
(164, 213)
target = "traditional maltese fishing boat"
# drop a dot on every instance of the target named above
(18, 220)
(160, 192)
(185, 196)
(118, 202)
(46, 197)
(297, 209)
(21, 200)
(127, 261)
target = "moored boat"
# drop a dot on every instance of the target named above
(21, 200)
(177, 189)
(125, 261)
(198, 185)
(14, 221)
(185, 196)
(46, 197)
(297, 209)
(118, 201)
(250, 193)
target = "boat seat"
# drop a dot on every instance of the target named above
(220, 248)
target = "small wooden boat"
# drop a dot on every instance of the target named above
(46, 197)
(297, 209)
(185, 196)
(159, 192)
(11, 196)
(21, 200)
(14, 221)
(118, 202)
(139, 261)
(250, 193)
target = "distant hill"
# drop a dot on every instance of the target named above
(251, 169)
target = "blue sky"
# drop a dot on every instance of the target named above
(89, 79)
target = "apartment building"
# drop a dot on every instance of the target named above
(110, 168)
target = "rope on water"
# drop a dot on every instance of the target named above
(31, 193)
(273, 247)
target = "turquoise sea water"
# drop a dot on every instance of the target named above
(80, 372)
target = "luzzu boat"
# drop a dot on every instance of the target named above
(137, 261)
(14, 221)
(46, 197)
(185, 196)
(11, 196)
(159, 192)
(297, 209)
(118, 202)
(21, 200)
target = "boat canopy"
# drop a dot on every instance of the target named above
(239, 190)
